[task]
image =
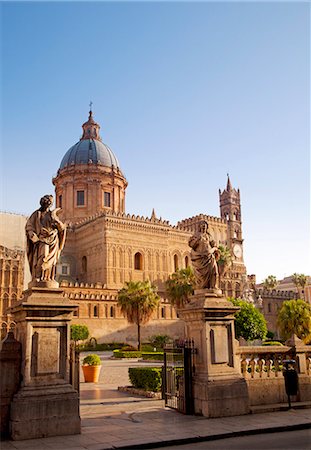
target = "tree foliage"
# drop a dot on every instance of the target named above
(137, 301)
(224, 261)
(270, 282)
(300, 280)
(79, 332)
(249, 322)
(295, 318)
(180, 285)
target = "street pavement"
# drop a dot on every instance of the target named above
(118, 420)
(286, 440)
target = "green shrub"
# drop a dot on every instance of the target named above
(92, 360)
(272, 343)
(270, 334)
(79, 332)
(158, 356)
(249, 323)
(160, 340)
(100, 347)
(148, 348)
(129, 348)
(147, 378)
(122, 354)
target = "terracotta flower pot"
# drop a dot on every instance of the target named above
(91, 373)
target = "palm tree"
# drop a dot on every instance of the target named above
(270, 282)
(179, 286)
(224, 261)
(300, 281)
(295, 318)
(137, 301)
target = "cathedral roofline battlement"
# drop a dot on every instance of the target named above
(133, 217)
(193, 220)
(88, 291)
(180, 226)
(276, 293)
(76, 284)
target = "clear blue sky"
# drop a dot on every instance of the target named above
(184, 93)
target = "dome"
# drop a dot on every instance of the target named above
(89, 151)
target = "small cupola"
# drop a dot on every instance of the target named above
(91, 129)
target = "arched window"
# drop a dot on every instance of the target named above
(138, 261)
(111, 311)
(4, 330)
(175, 262)
(237, 290)
(95, 311)
(229, 290)
(186, 261)
(84, 264)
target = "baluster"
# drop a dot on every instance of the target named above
(276, 365)
(252, 365)
(269, 363)
(244, 366)
(261, 363)
(308, 365)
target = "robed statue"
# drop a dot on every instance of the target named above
(204, 256)
(45, 240)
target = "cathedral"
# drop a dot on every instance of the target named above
(106, 246)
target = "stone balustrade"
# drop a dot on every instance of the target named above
(262, 368)
(262, 361)
(266, 362)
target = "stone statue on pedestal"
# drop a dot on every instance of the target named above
(204, 256)
(45, 240)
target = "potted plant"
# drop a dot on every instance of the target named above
(91, 368)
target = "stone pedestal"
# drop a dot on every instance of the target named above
(219, 388)
(46, 404)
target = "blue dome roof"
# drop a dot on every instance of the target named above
(89, 151)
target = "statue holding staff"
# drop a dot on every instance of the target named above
(45, 240)
(204, 256)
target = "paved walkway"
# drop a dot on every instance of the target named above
(116, 420)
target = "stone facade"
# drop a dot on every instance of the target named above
(98, 310)
(11, 284)
(107, 247)
(271, 302)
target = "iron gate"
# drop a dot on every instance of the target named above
(177, 380)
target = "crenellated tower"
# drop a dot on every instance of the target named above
(230, 211)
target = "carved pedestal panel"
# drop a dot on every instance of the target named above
(46, 404)
(219, 388)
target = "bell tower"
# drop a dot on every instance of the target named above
(230, 211)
